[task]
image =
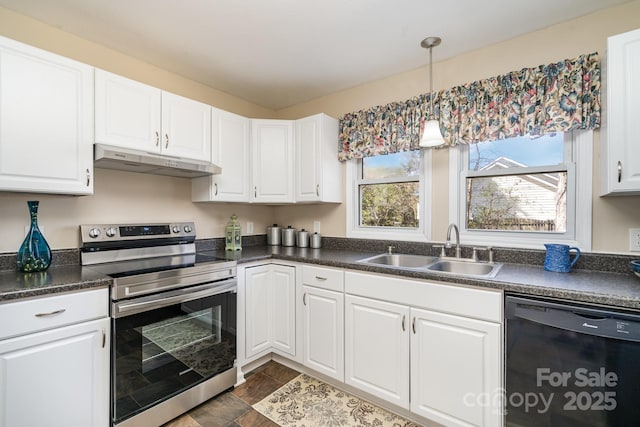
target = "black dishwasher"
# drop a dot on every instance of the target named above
(571, 365)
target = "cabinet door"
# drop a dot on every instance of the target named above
(258, 310)
(283, 324)
(272, 161)
(229, 150)
(46, 121)
(622, 150)
(324, 331)
(308, 161)
(318, 173)
(186, 127)
(127, 113)
(455, 369)
(377, 348)
(270, 310)
(56, 378)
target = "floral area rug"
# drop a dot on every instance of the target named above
(307, 402)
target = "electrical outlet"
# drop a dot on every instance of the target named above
(634, 239)
(316, 226)
(249, 227)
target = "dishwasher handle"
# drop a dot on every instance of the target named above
(584, 320)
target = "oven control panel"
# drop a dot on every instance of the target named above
(122, 232)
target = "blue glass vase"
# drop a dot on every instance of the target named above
(34, 253)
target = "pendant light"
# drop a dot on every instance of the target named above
(431, 135)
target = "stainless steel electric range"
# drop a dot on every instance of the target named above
(173, 310)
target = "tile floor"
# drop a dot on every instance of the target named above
(233, 408)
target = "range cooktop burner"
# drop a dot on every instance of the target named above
(149, 258)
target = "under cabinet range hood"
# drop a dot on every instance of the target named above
(126, 159)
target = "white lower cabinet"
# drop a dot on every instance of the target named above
(324, 331)
(270, 307)
(323, 320)
(433, 348)
(455, 369)
(377, 348)
(57, 376)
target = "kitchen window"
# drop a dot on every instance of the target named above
(388, 197)
(523, 191)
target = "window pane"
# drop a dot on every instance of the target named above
(517, 152)
(397, 165)
(532, 202)
(389, 205)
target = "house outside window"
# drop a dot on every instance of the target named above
(387, 197)
(523, 192)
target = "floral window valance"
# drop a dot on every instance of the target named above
(557, 97)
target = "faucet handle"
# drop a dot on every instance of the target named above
(490, 250)
(390, 249)
(474, 255)
(442, 251)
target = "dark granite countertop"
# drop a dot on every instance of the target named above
(594, 287)
(16, 285)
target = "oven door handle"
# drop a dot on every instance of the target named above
(126, 308)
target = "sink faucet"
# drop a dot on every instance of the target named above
(448, 242)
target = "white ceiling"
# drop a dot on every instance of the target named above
(278, 53)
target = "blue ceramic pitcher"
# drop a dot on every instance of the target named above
(558, 257)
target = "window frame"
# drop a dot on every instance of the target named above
(354, 180)
(578, 162)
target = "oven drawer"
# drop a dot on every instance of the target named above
(24, 317)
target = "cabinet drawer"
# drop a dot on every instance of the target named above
(322, 277)
(24, 317)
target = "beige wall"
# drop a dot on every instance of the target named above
(121, 196)
(612, 216)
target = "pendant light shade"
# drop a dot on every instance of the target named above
(431, 135)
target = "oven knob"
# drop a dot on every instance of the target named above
(188, 229)
(94, 232)
(176, 229)
(111, 231)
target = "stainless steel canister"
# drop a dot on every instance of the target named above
(288, 236)
(303, 238)
(315, 241)
(274, 235)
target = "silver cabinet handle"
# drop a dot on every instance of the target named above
(321, 278)
(166, 136)
(304, 298)
(619, 171)
(51, 313)
(255, 191)
(215, 184)
(404, 317)
(88, 177)
(157, 138)
(104, 338)
(318, 190)
(413, 325)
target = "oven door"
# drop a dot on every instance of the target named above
(165, 344)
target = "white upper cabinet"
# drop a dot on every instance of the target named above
(318, 173)
(134, 115)
(46, 121)
(620, 153)
(127, 113)
(272, 161)
(186, 127)
(230, 150)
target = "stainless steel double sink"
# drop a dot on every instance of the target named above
(455, 266)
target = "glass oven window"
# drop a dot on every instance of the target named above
(162, 352)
